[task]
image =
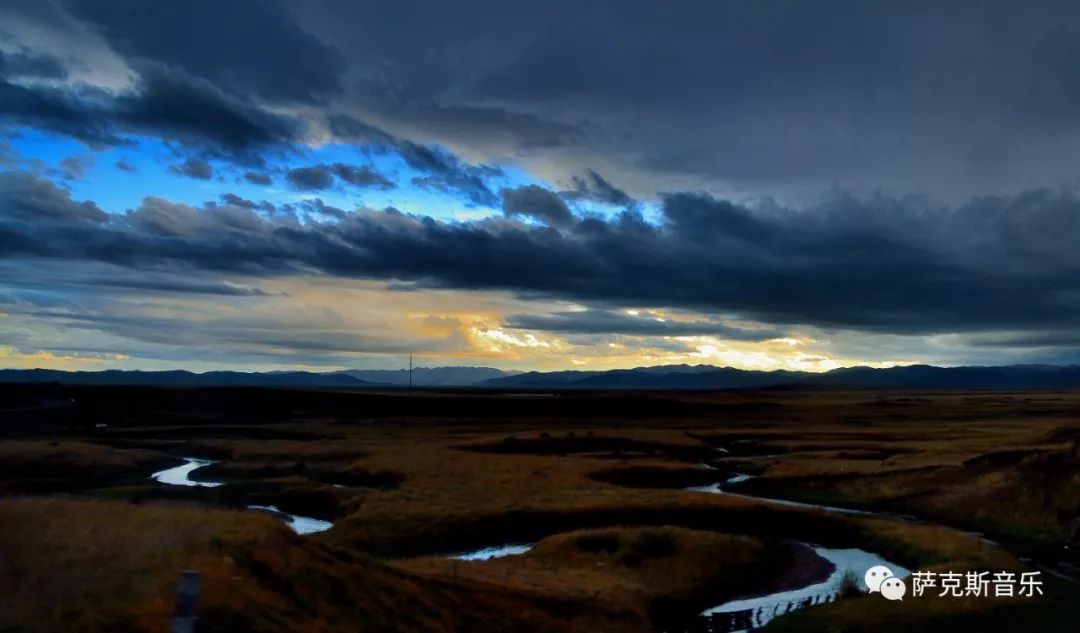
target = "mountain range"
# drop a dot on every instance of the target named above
(663, 377)
(709, 377)
(428, 376)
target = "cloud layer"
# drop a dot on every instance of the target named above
(893, 178)
(733, 98)
(892, 265)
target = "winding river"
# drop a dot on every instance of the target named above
(181, 476)
(747, 613)
(722, 487)
(853, 562)
(846, 562)
(299, 524)
(752, 612)
(498, 551)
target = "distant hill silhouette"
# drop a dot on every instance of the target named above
(663, 377)
(709, 377)
(422, 377)
(428, 376)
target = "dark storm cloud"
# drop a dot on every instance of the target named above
(313, 178)
(1058, 339)
(747, 98)
(235, 200)
(361, 176)
(442, 170)
(446, 173)
(72, 112)
(198, 114)
(82, 286)
(537, 203)
(592, 187)
(321, 176)
(487, 130)
(881, 263)
(196, 168)
(318, 207)
(33, 65)
(352, 129)
(610, 322)
(466, 183)
(75, 167)
(28, 198)
(242, 46)
(164, 103)
(177, 223)
(754, 97)
(257, 178)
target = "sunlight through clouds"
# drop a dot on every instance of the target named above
(499, 339)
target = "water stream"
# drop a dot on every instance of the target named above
(497, 551)
(181, 476)
(757, 611)
(299, 524)
(753, 612)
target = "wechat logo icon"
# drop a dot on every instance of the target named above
(880, 579)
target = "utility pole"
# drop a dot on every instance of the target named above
(410, 374)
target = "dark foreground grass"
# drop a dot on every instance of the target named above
(96, 567)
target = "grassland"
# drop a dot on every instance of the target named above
(77, 565)
(592, 477)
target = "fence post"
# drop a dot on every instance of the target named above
(187, 597)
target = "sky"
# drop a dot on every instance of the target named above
(326, 184)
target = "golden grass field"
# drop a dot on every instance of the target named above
(89, 544)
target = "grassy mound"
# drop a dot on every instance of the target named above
(658, 576)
